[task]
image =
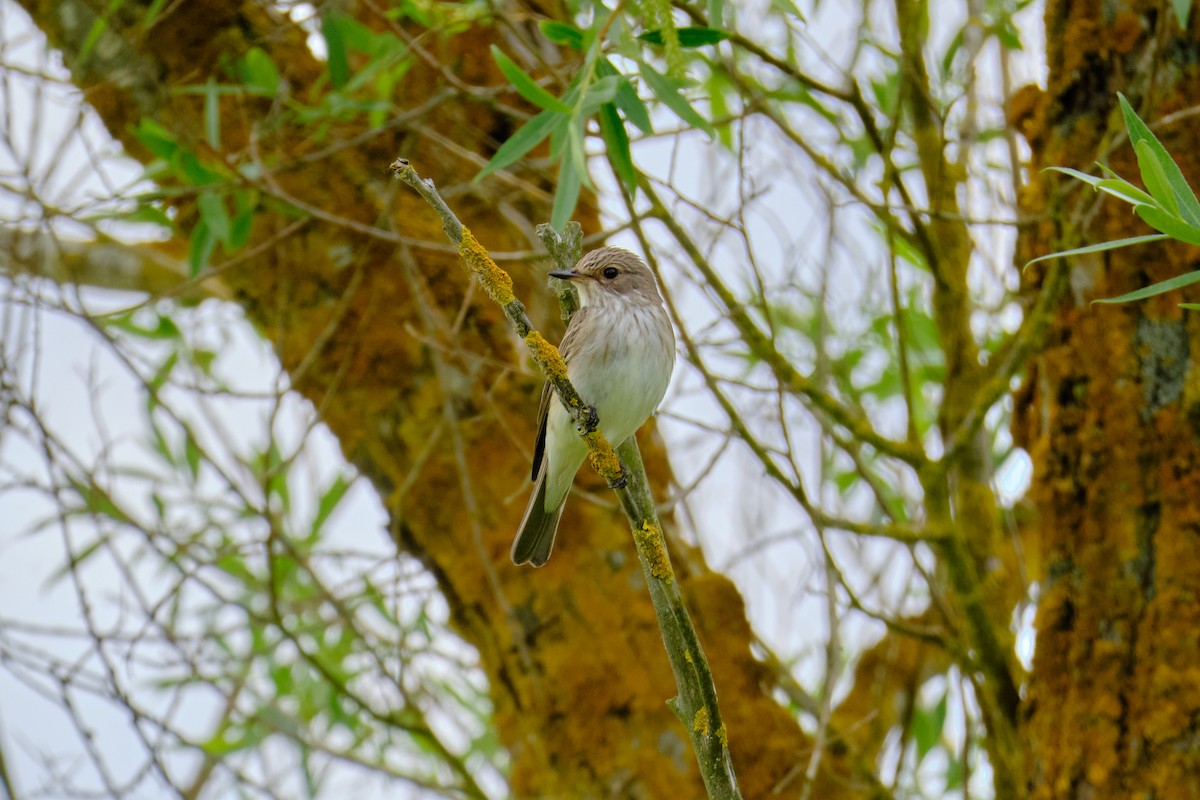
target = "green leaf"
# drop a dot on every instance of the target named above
(1162, 287)
(688, 37)
(93, 36)
(574, 141)
(213, 213)
(274, 469)
(1124, 190)
(157, 139)
(1090, 180)
(1116, 186)
(600, 93)
(1170, 225)
(1155, 178)
(1190, 306)
(954, 773)
(1098, 248)
(204, 359)
(166, 329)
(799, 94)
(903, 246)
(239, 230)
(259, 72)
(192, 454)
(529, 136)
(150, 215)
(158, 380)
(212, 115)
(666, 92)
(1008, 34)
(142, 213)
(927, 727)
(335, 45)
(98, 502)
(245, 205)
(526, 86)
(189, 168)
(329, 502)
(561, 33)
(616, 140)
(788, 9)
(953, 48)
(719, 108)
(151, 14)
(357, 36)
(566, 196)
(1189, 206)
(558, 138)
(200, 248)
(1182, 10)
(627, 99)
(886, 89)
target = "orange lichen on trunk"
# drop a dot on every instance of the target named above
(1106, 414)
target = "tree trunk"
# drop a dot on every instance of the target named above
(1110, 414)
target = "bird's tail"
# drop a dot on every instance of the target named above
(535, 537)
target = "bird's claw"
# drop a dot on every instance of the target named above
(592, 421)
(620, 482)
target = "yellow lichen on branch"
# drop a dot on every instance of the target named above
(546, 356)
(494, 280)
(700, 721)
(650, 545)
(602, 457)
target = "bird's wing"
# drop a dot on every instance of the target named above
(568, 346)
(539, 447)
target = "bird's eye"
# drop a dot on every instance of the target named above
(610, 272)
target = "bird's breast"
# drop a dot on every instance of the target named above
(624, 372)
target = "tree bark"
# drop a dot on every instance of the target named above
(1110, 414)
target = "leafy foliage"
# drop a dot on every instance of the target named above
(598, 91)
(1168, 205)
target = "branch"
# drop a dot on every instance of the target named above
(696, 703)
(997, 382)
(102, 264)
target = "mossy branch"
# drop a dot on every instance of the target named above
(696, 702)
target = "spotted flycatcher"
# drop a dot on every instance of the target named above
(620, 351)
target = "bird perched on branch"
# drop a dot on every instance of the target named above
(620, 352)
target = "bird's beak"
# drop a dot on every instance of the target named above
(566, 274)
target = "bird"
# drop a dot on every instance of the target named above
(620, 352)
